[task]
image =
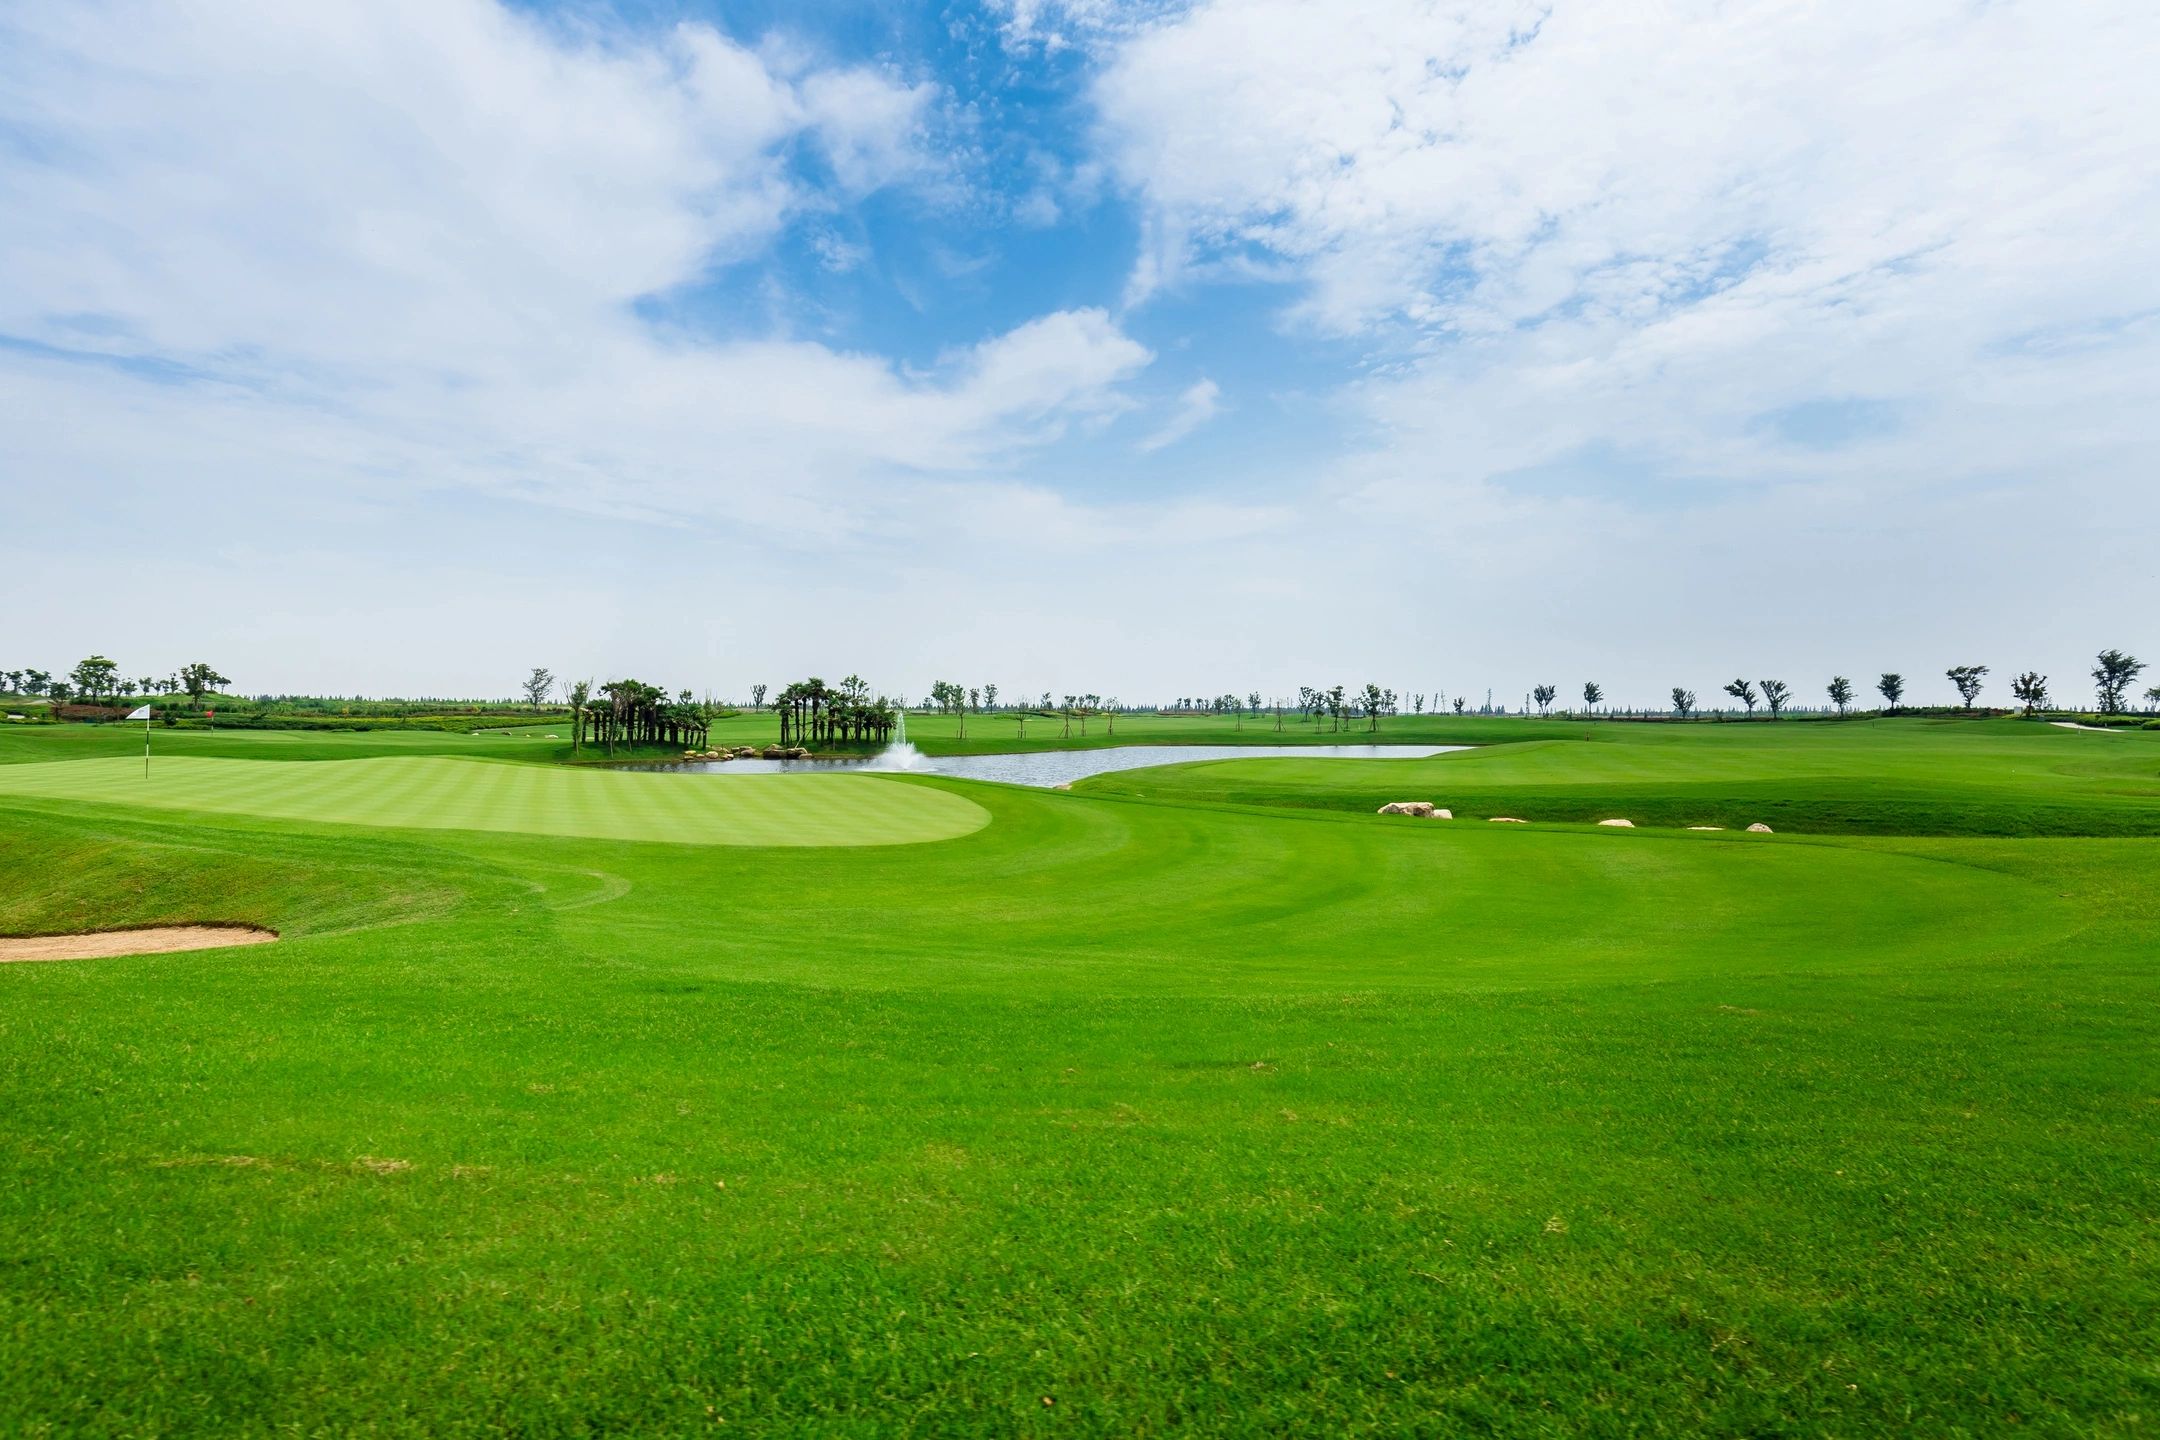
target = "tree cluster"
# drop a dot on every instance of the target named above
(814, 713)
(97, 680)
(632, 712)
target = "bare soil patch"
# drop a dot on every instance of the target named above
(98, 944)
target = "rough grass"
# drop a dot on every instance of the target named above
(1113, 1117)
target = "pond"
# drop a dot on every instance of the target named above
(1047, 768)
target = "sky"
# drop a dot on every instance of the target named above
(1144, 348)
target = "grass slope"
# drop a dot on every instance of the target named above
(1998, 777)
(1113, 1116)
(436, 793)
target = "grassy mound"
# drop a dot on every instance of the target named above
(1894, 777)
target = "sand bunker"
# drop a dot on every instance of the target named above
(156, 941)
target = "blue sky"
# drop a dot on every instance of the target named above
(1139, 348)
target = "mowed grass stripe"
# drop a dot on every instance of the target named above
(442, 793)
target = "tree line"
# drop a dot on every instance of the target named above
(97, 680)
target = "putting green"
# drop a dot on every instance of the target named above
(438, 793)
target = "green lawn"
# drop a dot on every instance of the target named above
(439, 793)
(1192, 1100)
(1893, 777)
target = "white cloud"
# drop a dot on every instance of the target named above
(1475, 166)
(340, 277)
(412, 234)
(1196, 407)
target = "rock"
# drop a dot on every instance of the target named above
(774, 752)
(1423, 809)
(1758, 828)
(1506, 820)
(1443, 814)
(1619, 824)
(796, 752)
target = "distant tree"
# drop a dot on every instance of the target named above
(1892, 689)
(1743, 692)
(757, 697)
(990, 697)
(199, 680)
(1375, 702)
(975, 698)
(1545, 695)
(1253, 699)
(1593, 695)
(58, 692)
(2112, 673)
(1683, 702)
(1841, 693)
(93, 678)
(1775, 694)
(1458, 704)
(38, 683)
(2152, 698)
(1967, 679)
(582, 692)
(538, 684)
(149, 684)
(2030, 690)
(1336, 705)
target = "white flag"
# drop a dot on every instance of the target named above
(141, 713)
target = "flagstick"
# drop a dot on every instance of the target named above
(146, 747)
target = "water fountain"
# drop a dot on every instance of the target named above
(899, 755)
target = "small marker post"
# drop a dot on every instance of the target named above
(142, 713)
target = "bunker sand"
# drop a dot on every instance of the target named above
(159, 940)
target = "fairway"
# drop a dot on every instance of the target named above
(1198, 1099)
(433, 793)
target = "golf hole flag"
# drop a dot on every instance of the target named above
(142, 713)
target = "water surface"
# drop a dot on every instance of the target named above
(1045, 768)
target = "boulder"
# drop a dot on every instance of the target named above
(1506, 820)
(1758, 828)
(796, 752)
(1423, 809)
(1619, 824)
(1443, 814)
(774, 752)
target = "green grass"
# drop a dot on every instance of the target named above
(1213, 1106)
(1931, 777)
(437, 793)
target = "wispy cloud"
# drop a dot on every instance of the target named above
(1195, 408)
